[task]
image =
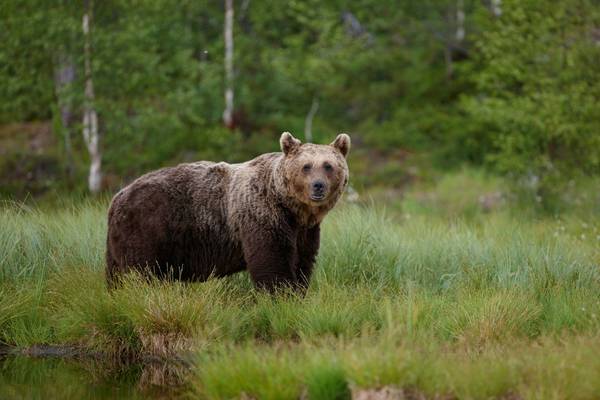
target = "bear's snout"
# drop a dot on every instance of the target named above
(318, 190)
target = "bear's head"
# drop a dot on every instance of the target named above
(313, 174)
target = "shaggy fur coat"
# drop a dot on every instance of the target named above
(204, 219)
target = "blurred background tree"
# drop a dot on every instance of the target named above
(510, 86)
(537, 81)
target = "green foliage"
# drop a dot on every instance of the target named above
(518, 94)
(537, 84)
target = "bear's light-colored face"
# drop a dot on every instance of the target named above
(314, 174)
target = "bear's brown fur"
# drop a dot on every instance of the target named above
(201, 219)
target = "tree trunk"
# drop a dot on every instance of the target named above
(314, 107)
(496, 7)
(460, 21)
(228, 33)
(90, 118)
(448, 59)
(64, 77)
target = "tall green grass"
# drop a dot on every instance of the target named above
(473, 308)
(34, 243)
(552, 368)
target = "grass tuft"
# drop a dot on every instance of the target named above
(327, 380)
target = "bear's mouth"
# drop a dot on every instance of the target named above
(317, 196)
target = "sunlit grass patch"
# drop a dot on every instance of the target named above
(159, 318)
(229, 372)
(480, 317)
(331, 369)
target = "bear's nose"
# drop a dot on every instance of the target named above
(318, 186)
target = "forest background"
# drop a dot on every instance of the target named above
(94, 94)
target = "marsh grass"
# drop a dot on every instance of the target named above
(557, 368)
(474, 309)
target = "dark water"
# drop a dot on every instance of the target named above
(24, 377)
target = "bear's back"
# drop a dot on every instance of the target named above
(174, 217)
(189, 189)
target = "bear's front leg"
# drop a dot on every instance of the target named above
(308, 247)
(270, 257)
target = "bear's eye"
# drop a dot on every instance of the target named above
(328, 167)
(306, 167)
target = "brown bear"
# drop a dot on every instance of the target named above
(206, 219)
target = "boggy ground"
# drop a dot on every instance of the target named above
(493, 306)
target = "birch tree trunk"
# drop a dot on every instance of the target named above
(314, 107)
(90, 117)
(460, 21)
(228, 33)
(64, 76)
(496, 6)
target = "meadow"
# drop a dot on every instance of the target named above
(464, 264)
(405, 302)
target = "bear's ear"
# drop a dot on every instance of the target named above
(342, 143)
(288, 143)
